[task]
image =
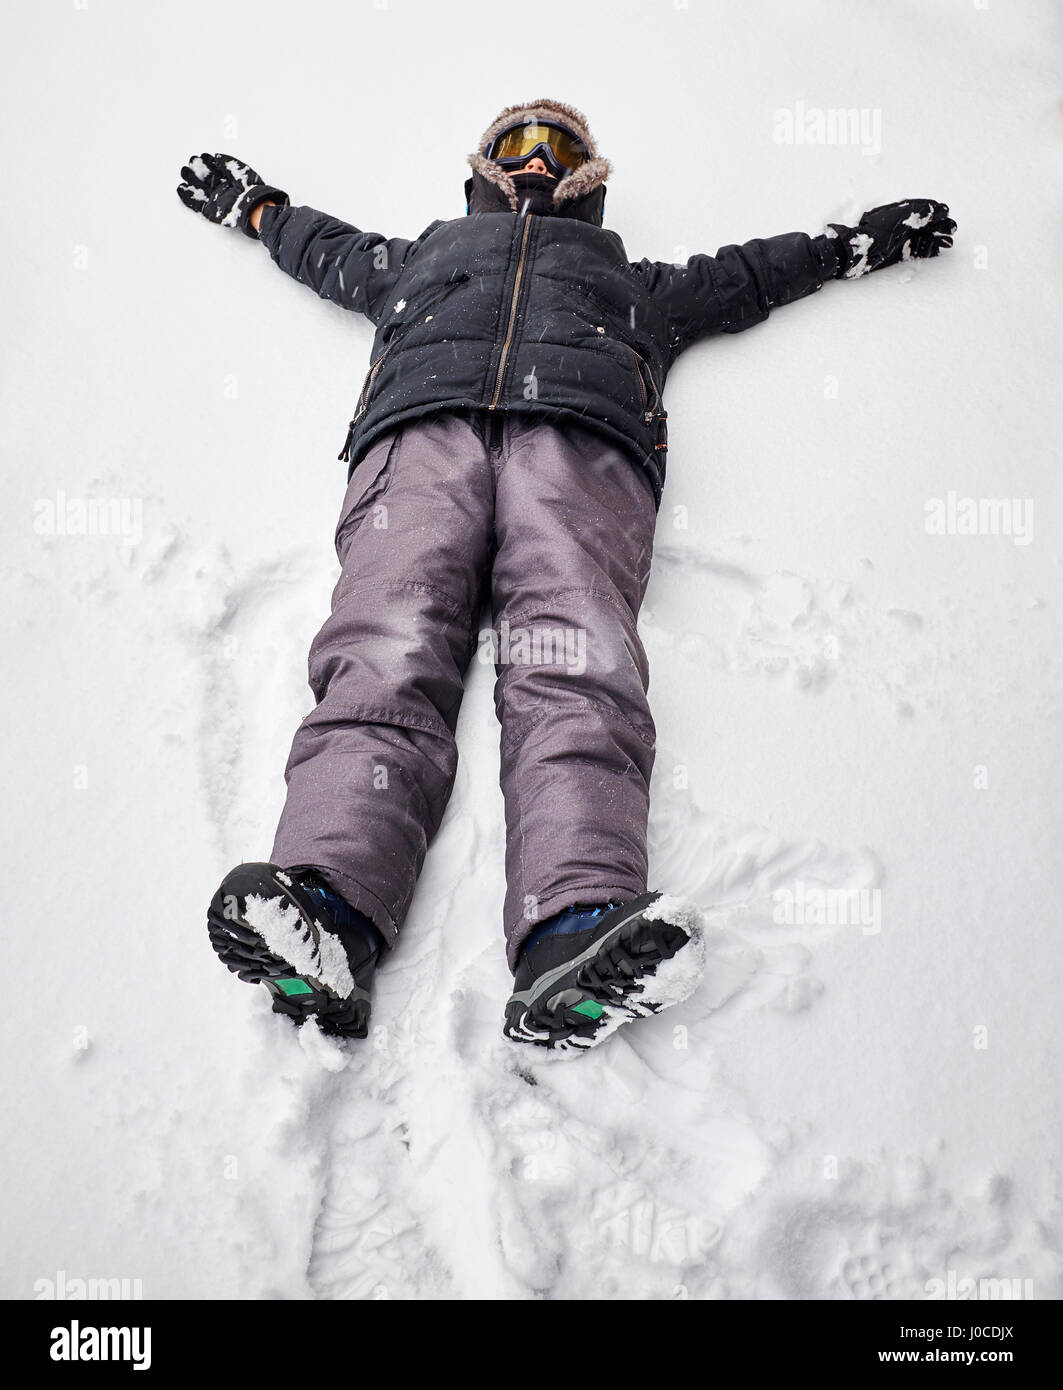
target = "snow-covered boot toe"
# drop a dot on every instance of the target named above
(288, 930)
(588, 970)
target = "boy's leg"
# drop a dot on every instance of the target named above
(574, 522)
(372, 767)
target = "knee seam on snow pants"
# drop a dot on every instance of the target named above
(348, 590)
(523, 614)
(527, 724)
(381, 719)
(367, 714)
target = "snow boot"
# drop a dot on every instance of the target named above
(287, 929)
(586, 971)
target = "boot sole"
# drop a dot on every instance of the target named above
(241, 948)
(624, 976)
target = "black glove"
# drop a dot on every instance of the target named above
(226, 191)
(918, 227)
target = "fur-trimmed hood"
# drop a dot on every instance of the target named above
(577, 184)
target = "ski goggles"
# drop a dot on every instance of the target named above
(558, 148)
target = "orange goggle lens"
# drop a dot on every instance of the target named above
(519, 142)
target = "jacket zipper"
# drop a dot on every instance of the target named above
(363, 401)
(512, 316)
(659, 413)
(656, 391)
(654, 412)
(648, 411)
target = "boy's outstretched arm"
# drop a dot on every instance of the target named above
(740, 285)
(354, 269)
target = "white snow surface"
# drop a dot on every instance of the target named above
(847, 704)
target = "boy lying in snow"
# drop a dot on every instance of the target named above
(510, 433)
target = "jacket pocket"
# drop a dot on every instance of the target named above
(651, 396)
(654, 413)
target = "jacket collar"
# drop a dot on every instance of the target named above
(494, 191)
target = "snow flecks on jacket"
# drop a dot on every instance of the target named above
(554, 300)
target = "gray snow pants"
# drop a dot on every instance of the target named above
(559, 524)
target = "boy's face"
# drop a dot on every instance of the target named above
(537, 147)
(535, 166)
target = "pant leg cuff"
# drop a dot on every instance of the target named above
(362, 899)
(519, 931)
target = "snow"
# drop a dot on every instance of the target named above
(846, 699)
(669, 908)
(861, 245)
(915, 221)
(282, 929)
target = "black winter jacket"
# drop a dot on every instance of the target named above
(546, 315)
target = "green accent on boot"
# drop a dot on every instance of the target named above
(590, 1007)
(290, 987)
